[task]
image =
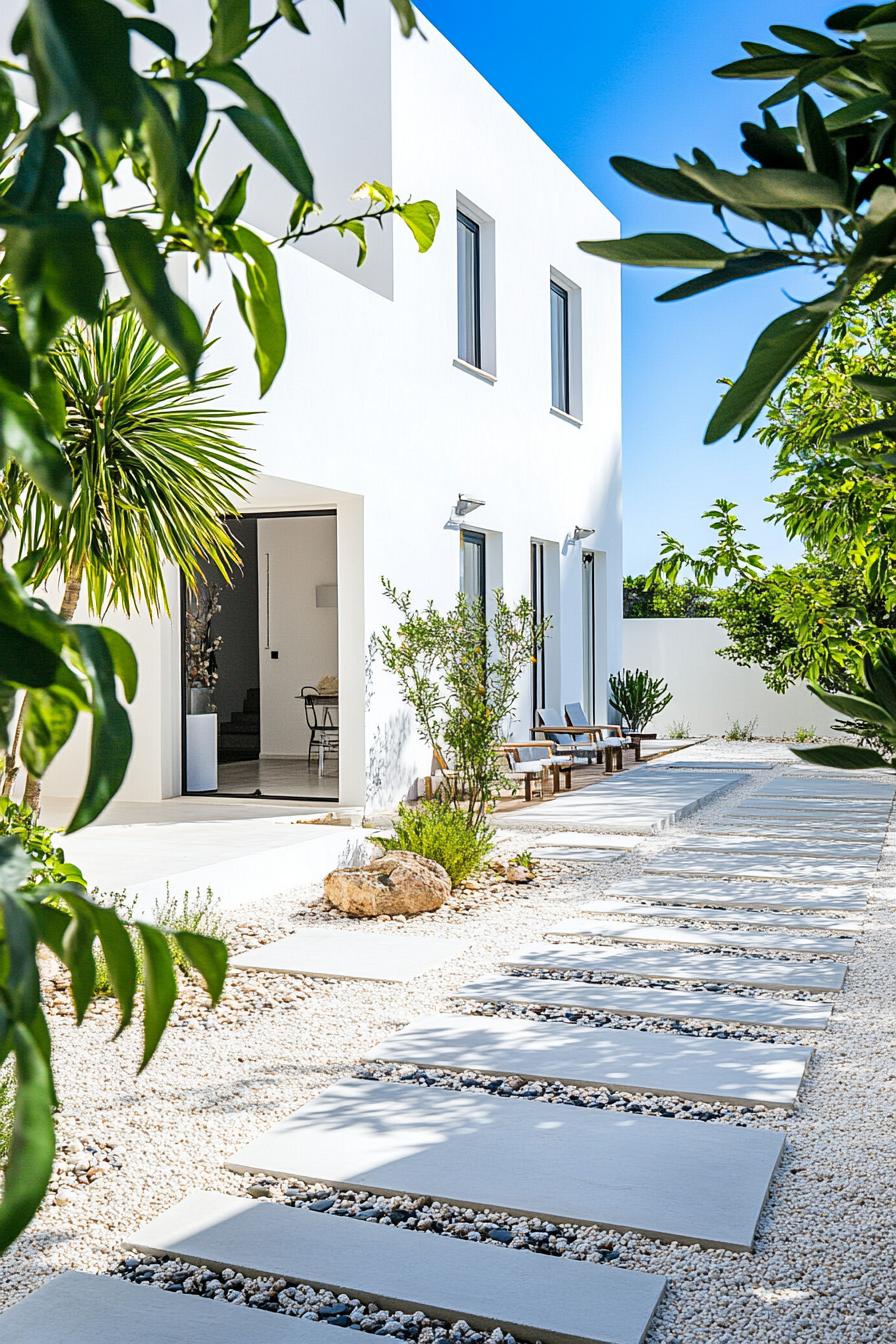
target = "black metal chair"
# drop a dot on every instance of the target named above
(322, 730)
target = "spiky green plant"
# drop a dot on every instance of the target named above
(638, 697)
(155, 464)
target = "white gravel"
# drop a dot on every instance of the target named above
(825, 1264)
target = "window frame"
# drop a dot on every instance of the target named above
(559, 375)
(473, 228)
(477, 539)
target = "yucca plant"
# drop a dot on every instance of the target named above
(155, 468)
(638, 697)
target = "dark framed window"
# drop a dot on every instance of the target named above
(472, 565)
(559, 347)
(469, 315)
(589, 634)
(539, 671)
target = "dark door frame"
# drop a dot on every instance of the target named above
(220, 793)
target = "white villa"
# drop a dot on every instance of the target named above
(447, 421)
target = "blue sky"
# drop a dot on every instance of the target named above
(595, 79)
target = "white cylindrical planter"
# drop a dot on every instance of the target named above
(202, 753)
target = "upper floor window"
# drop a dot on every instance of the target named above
(559, 347)
(472, 566)
(469, 291)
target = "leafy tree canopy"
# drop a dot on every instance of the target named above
(819, 193)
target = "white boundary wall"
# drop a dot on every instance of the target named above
(709, 691)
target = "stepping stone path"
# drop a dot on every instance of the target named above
(542, 1297)
(342, 954)
(762, 919)
(702, 1006)
(741, 895)
(641, 1173)
(752, 940)
(812, 841)
(633, 1061)
(817, 977)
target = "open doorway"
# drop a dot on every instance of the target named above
(261, 657)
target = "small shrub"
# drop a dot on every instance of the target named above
(741, 731)
(524, 860)
(7, 1106)
(39, 843)
(679, 730)
(638, 697)
(186, 914)
(806, 734)
(438, 831)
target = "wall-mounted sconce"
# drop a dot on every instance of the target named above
(582, 533)
(326, 595)
(465, 504)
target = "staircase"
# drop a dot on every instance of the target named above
(239, 739)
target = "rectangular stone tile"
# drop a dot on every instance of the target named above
(844, 808)
(647, 800)
(781, 827)
(681, 1180)
(693, 764)
(760, 919)
(344, 954)
(818, 788)
(787, 847)
(701, 1005)
(805, 869)
(575, 854)
(742, 1072)
(86, 1308)
(534, 1296)
(741, 895)
(668, 964)
(752, 940)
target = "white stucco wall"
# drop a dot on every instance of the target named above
(370, 414)
(709, 691)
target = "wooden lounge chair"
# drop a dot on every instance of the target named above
(536, 761)
(578, 743)
(611, 735)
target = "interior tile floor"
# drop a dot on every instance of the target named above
(281, 777)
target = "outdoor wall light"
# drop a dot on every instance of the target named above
(582, 533)
(466, 504)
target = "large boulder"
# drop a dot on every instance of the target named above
(398, 883)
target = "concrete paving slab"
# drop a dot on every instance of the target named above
(590, 840)
(830, 788)
(694, 764)
(701, 1005)
(643, 801)
(817, 977)
(741, 895)
(680, 1180)
(575, 854)
(804, 869)
(743, 1072)
(760, 919)
(781, 827)
(786, 846)
(751, 940)
(543, 1297)
(83, 1308)
(843, 808)
(342, 954)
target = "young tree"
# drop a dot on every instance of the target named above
(99, 119)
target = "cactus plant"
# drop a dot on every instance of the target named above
(638, 697)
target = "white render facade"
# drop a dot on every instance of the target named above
(374, 416)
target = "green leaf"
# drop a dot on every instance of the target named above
(783, 342)
(288, 10)
(33, 1146)
(57, 272)
(164, 313)
(15, 864)
(736, 268)
(19, 951)
(121, 963)
(47, 393)
(422, 218)
(768, 188)
(881, 389)
(110, 743)
(124, 660)
(156, 33)
(667, 182)
(230, 22)
(357, 229)
(207, 955)
(188, 106)
(262, 123)
(79, 52)
(233, 202)
(820, 150)
(659, 249)
(167, 157)
(9, 108)
(856, 707)
(816, 43)
(23, 437)
(77, 954)
(159, 988)
(842, 758)
(48, 721)
(407, 19)
(261, 305)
